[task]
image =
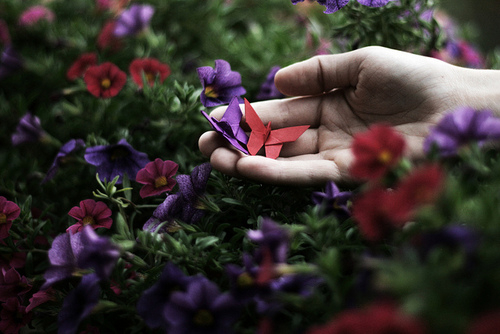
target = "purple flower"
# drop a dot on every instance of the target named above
(116, 160)
(333, 200)
(78, 304)
(163, 218)
(201, 309)
(334, 5)
(244, 280)
(153, 300)
(268, 89)
(461, 127)
(10, 61)
(71, 146)
(83, 250)
(220, 84)
(133, 20)
(453, 237)
(273, 237)
(229, 125)
(28, 130)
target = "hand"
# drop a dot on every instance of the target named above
(339, 96)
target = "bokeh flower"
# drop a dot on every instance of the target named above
(273, 237)
(107, 39)
(151, 68)
(4, 33)
(28, 130)
(268, 89)
(80, 66)
(133, 20)
(105, 80)
(486, 323)
(460, 128)
(334, 5)
(220, 84)
(67, 149)
(157, 177)
(10, 61)
(12, 284)
(8, 212)
(116, 160)
(90, 213)
(376, 151)
(333, 200)
(36, 14)
(13, 316)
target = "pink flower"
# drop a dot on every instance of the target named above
(157, 177)
(8, 212)
(92, 213)
(13, 316)
(35, 14)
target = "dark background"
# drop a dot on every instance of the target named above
(484, 15)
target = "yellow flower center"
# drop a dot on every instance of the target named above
(150, 77)
(105, 83)
(210, 92)
(385, 157)
(3, 218)
(161, 181)
(245, 280)
(89, 220)
(203, 318)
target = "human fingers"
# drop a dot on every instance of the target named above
(209, 142)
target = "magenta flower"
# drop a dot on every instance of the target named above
(40, 298)
(28, 130)
(90, 213)
(220, 84)
(10, 61)
(462, 127)
(133, 20)
(116, 160)
(35, 14)
(13, 316)
(268, 89)
(8, 212)
(334, 5)
(157, 177)
(12, 284)
(67, 149)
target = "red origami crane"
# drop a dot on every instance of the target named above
(262, 135)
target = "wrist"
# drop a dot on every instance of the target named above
(480, 89)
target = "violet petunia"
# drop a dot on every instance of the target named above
(273, 237)
(157, 177)
(460, 128)
(10, 62)
(333, 200)
(28, 130)
(116, 160)
(78, 304)
(163, 218)
(268, 89)
(220, 84)
(229, 125)
(67, 149)
(334, 5)
(201, 309)
(133, 20)
(153, 300)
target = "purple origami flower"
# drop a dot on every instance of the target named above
(229, 125)
(333, 200)
(78, 304)
(462, 127)
(133, 20)
(10, 61)
(268, 89)
(83, 250)
(153, 300)
(67, 149)
(28, 130)
(273, 237)
(201, 309)
(116, 160)
(220, 84)
(334, 5)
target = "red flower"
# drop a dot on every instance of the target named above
(157, 177)
(151, 68)
(13, 316)
(90, 212)
(377, 319)
(376, 151)
(485, 324)
(80, 66)
(107, 38)
(8, 212)
(105, 80)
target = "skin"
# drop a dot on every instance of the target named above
(343, 94)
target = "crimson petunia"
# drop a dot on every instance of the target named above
(105, 80)
(151, 68)
(92, 213)
(80, 66)
(157, 177)
(8, 212)
(376, 151)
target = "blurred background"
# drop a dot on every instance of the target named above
(481, 18)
